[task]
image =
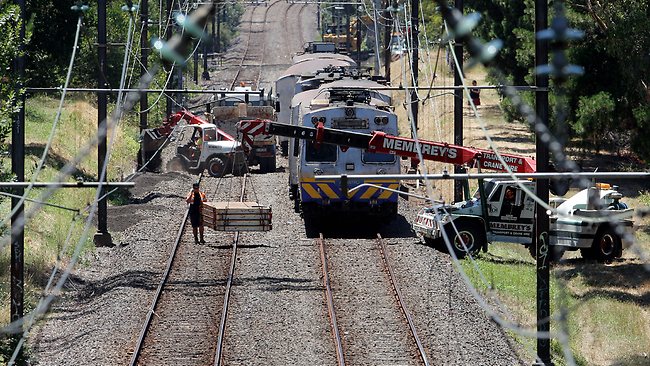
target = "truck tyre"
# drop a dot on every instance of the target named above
(216, 167)
(607, 245)
(267, 165)
(470, 233)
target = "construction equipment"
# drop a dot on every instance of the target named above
(235, 108)
(499, 211)
(200, 145)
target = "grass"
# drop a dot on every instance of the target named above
(609, 315)
(46, 232)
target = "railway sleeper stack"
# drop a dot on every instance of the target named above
(236, 216)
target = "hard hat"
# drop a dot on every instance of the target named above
(195, 185)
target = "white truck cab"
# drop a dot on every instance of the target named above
(204, 146)
(507, 215)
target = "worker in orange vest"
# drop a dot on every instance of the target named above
(195, 199)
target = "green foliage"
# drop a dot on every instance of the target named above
(9, 37)
(594, 117)
(614, 53)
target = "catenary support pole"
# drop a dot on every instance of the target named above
(168, 35)
(542, 222)
(18, 169)
(358, 40)
(206, 74)
(144, 55)
(458, 108)
(102, 237)
(388, 28)
(415, 102)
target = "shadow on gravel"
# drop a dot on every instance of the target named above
(347, 227)
(275, 284)
(88, 290)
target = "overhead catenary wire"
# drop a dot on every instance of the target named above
(117, 115)
(50, 139)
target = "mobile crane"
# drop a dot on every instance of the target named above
(499, 211)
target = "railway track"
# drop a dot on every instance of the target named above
(249, 70)
(362, 293)
(182, 326)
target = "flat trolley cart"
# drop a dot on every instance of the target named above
(236, 216)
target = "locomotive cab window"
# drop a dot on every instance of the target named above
(372, 157)
(324, 153)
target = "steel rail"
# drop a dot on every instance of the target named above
(161, 285)
(330, 302)
(248, 42)
(400, 299)
(218, 354)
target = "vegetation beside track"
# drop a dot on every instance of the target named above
(46, 233)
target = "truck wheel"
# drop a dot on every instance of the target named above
(607, 245)
(216, 167)
(267, 165)
(469, 233)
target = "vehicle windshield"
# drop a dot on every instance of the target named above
(488, 186)
(324, 153)
(372, 157)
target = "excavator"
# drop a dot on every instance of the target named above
(499, 210)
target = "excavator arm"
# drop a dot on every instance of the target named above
(381, 142)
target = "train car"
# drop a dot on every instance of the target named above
(346, 107)
(285, 86)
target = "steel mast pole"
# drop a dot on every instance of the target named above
(458, 108)
(102, 237)
(18, 169)
(542, 187)
(144, 55)
(387, 38)
(415, 21)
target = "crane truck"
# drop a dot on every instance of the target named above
(200, 145)
(500, 210)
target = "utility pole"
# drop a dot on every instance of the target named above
(458, 109)
(196, 66)
(387, 38)
(206, 74)
(318, 16)
(358, 35)
(168, 35)
(540, 240)
(415, 20)
(214, 20)
(102, 236)
(348, 36)
(144, 55)
(18, 169)
(221, 14)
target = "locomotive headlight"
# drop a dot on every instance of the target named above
(381, 171)
(318, 171)
(381, 120)
(321, 120)
(314, 120)
(349, 112)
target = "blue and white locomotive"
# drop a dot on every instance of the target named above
(351, 105)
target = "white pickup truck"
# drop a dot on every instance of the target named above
(509, 213)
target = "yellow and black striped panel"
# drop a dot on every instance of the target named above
(331, 190)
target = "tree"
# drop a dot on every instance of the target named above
(9, 36)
